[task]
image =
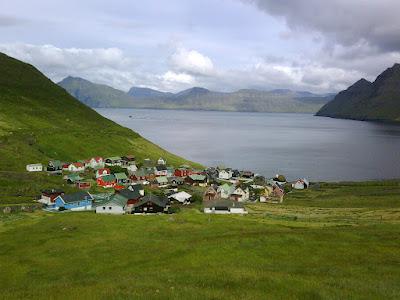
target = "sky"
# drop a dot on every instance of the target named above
(222, 45)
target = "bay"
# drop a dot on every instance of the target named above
(296, 145)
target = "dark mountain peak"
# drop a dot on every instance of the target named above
(144, 92)
(359, 85)
(194, 91)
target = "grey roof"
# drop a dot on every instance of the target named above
(223, 203)
(161, 168)
(160, 201)
(76, 197)
(129, 194)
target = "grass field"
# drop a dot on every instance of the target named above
(340, 241)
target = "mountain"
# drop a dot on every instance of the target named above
(365, 100)
(40, 121)
(197, 98)
(139, 92)
(94, 95)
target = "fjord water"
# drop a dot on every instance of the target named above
(296, 145)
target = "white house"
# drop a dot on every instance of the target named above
(224, 206)
(96, 162)
(131, 168)
(181, 197)
(102, 172)
(115, 205)
(160, 170)
(301, 184)
(161, 161)
(34, 168)
(225, 174)
(225, 190)
(76, 167)
(241, 194)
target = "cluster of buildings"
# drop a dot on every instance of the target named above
(225, 189)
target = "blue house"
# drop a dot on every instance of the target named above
(76, 201)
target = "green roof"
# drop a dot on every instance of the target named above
(120, 176)
(74, 177)
(227, 188)
(162, 179)
(108, 178)
(197, 177)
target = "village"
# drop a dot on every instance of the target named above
(123, 185)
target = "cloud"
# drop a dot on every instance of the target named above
(103, 65)
(191, 61)
(344, 22)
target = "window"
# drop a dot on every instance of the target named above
(104, 208)
(109, 207)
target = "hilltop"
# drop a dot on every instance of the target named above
(365, 100)
(40, 121)
(196, 98)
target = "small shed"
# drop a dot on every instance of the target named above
(34, 167)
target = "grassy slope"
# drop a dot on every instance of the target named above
(41, 121)
(337, 242)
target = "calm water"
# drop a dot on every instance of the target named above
(296, 145)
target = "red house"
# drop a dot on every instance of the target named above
(83, 185)
(182, 172)
(107, 181)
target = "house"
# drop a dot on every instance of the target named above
(225, 190)
(147, 163)
(132, 168)
(132, 195)
(182, 172)
(195, 179)
(225, 174)
(96, 162)
(247, 174)
(83, 185)
(76, 201)
(235, 173)
(160, 170)
(65, 166)
(176, 180)
(160, 181)
(128, 160)
(48, 196)
(224, 206)
(121, 178)
(181, 197)
(116, 204)
(76, 167)
(113, 161)
(266, 194)
(170, 171)
(102, 172)
(139, 175)
(137, 187)
(161, 161)
(279, 179)
(278, 193)
(73, 178)
(240, 194)
(54, 165)
(34, 168)
(151, 204)
(210, 194)
(301, 184)
(106, 181)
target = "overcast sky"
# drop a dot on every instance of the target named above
(315, 45)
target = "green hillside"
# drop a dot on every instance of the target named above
(40, 121)
(364, 100)
(196, 98)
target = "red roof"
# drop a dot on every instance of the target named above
(97, 158)
(78, 165)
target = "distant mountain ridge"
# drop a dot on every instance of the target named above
(196, 98)
(365, 100)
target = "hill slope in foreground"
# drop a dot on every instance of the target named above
(364, 100)
(40, 121)
(337, 241)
